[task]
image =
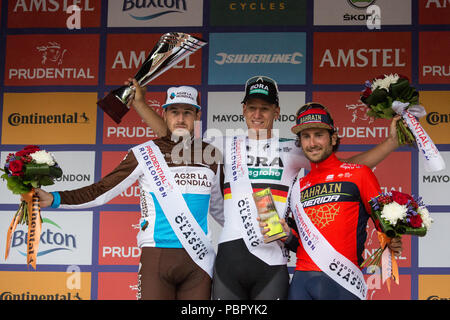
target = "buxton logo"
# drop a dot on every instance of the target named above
(167, 7)
(17, 119)
(59, 241)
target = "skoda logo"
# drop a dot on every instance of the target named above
(361, 4)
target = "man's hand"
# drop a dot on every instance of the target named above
(264, 228)
(393, 138)
(45, 198)
(138, 96)
(396, 246)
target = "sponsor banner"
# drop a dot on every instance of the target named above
(225, 113)
(126, 53)
(49, 118)
(132, 129)
(258, 13)
(354, 57)
(437, 121)
(431, 251)
(110, 160)
(434, 11)
(23, 285)
(53, 13)
(432, 185)
(393, 173)
(78, 171)
(117, 286)
(434, 287)
(117, 239)
(147, 13)
(434, 50)
(379, 291)
(66, 239)
(235, 57)
(372, 244)
(52, 59)
(356, 12)
(351, 119)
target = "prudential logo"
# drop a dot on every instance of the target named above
(156, 8)
(53, 239)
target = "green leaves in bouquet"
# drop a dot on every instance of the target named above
(41, 175)
(15, 184)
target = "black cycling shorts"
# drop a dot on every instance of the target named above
(240, 275)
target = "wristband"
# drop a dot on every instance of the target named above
(56, 200)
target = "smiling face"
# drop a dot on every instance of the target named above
(259, 116)
(317, 144)
(180, 119)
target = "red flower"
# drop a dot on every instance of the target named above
(32, 147)
(415, 221)
(27, 150)
(16, 167)
(401, 198)
(366, 93)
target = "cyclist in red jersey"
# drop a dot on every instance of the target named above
(335, 197)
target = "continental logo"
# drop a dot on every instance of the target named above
(436, 118)
(17, 119)
(8, 295)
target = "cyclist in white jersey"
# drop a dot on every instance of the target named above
(272, 162)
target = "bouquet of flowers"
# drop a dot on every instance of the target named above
(380, 94)
(24, 171)
(395, 214)
(389, 95)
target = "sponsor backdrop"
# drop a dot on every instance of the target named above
(56, 62)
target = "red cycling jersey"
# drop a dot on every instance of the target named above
(335, 197)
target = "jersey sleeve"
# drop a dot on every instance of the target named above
(216, 203)
(101, 192)
(369, 187)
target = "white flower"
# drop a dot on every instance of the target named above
(43, 157)
(426, 218)
(386, 82)
(393, 212)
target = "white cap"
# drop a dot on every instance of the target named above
(183, 94)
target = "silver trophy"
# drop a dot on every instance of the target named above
(171, 48)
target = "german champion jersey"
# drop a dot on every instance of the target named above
(335, 196)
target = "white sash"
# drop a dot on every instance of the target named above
(330, 261)
(236, 171)
(174, 206)
(433, 160)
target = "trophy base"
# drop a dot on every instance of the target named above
(112, 106)
(275, 237)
